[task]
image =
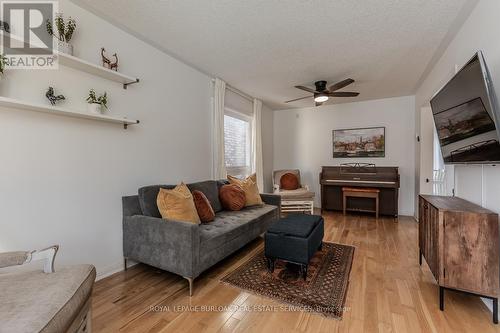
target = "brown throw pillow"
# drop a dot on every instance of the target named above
(232, 197)
(177, 204)
(249, 186)
(203, 206)
(289, 181)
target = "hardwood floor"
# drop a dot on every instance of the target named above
(388, 292)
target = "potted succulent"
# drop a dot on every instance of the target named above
(97, 104)
(64, 33)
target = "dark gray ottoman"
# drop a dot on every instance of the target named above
(295, 239)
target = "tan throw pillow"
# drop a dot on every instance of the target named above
(203, 207)
(249, 186)
(177, 204)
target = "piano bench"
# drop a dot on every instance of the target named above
(360, 192)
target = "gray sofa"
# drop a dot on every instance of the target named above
(184, 248)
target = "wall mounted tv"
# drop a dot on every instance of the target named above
(467, 117)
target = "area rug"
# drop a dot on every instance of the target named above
(324, 290)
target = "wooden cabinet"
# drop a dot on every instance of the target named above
(460, 242)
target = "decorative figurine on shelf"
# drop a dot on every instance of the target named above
(65, 31)
(53, 99)
(97, 104)
(106, 62)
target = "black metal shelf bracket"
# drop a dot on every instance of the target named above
(125, 125)
(128, 83)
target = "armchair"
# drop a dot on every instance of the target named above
(296, 200)
(48, 301)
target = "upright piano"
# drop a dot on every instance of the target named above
(385, 179)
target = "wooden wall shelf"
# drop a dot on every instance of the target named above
(17, 104)
(85, 66)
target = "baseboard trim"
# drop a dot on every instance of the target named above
(113, 269)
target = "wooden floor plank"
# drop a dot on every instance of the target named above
(388, 292)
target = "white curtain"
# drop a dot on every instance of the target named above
(219, 162)
(257, 164)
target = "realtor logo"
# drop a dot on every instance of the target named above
(28, 45)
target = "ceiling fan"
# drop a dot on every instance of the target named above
(322, 94)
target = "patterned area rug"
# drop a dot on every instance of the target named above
(324, 290)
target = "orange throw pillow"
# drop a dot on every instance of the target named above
(177, 204)
(289, 181)
(232, 197)
(249, 186)
(203, 207)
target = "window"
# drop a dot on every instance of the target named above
(237, 141)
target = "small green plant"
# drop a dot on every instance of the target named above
(3, 63)
(102, 99)
(64, 31)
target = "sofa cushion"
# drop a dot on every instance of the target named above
(298, 194)
(147, 199)
(249, 185)
(148, 195)
(232, 197)
(211, 191)
(203, 207)
(177, 204)
(38, 302)
(230, 224)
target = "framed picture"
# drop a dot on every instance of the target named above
(359, 142)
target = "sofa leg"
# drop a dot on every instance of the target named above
(125, 263)
(190, 281)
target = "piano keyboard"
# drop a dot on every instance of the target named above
(359, 181)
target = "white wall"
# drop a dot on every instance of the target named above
(303, 139)
(479, 184)
(62, 179)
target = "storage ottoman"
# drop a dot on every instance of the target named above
(294, 239)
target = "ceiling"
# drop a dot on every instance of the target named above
(264, 47)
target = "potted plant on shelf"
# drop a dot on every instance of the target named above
(64, 33)
(3, 64)
(97, 104)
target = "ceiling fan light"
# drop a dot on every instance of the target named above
(320, 98)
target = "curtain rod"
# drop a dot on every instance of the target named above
(237, 91)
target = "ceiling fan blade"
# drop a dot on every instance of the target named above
(319, 103)
(340, 85)
(305, 89)
(297, 99)
(344, 94)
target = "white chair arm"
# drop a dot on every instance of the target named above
(48, 255)
(24, 257)
(306, 187)
(276, 189)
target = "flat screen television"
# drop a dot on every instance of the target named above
(467, 117)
